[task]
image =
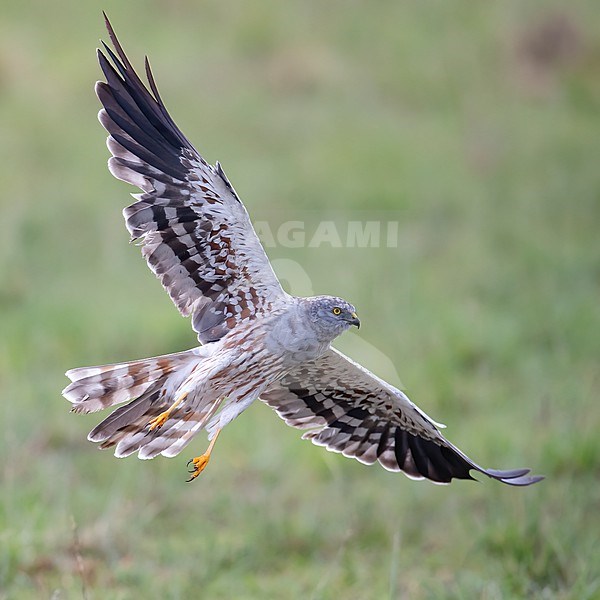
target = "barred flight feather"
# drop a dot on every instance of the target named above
(350, 410)
(196, 234)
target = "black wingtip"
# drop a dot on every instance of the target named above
(152, 83)
(149, 102)
(109, 27)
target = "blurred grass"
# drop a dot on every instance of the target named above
(475, 125)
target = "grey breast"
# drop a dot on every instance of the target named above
(294, 337)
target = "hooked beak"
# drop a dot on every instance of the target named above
(354, 320)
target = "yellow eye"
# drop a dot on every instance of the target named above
(337, 310)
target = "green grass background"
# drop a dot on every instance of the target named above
(476, 126)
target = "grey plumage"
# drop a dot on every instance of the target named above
(258, 341)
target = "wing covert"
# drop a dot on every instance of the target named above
(195, 232)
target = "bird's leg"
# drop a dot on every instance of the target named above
(201, 461)
(159, 421)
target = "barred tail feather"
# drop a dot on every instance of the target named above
(169, 440)
(150, 388)
(96, 388)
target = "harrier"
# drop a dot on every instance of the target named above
(257, 341)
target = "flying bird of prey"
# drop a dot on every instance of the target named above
(257, 341)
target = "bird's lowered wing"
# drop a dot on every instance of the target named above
(194, 230)
(347, 409)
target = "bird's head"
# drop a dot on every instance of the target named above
(331, 316)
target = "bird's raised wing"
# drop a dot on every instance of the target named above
(347, 409)
(194, 230)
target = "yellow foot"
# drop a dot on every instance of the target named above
(159, 421)
(200, 462)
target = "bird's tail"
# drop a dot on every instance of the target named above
(149, 386)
